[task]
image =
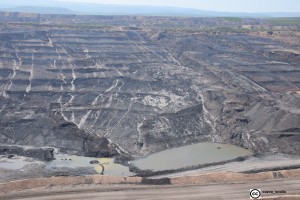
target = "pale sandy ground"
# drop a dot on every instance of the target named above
(253, 163)
(218, 185)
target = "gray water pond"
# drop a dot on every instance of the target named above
(191, 155)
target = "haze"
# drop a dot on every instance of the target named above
(216, 5)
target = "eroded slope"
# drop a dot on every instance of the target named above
(146, 90)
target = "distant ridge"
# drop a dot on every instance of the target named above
(39, 10)
(106, 9)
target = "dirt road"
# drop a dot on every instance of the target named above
(124, 192)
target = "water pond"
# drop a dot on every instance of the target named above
(191, 155)
(72, 161)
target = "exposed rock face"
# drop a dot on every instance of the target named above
(105, 90)
(44, 154)
(251, 93)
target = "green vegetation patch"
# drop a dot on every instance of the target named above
(232, 19)
(284, 21)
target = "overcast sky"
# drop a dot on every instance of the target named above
(217, 5)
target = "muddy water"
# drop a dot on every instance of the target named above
(69, 161)
(15, 163)
(191, 155)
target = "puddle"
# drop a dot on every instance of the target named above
(15, 163)
(190, 155)
(71, 161)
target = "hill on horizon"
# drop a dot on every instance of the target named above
(39, 10)
(105, 9)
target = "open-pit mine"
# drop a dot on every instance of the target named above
(147, 96)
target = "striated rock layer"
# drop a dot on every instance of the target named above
(103, 91)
